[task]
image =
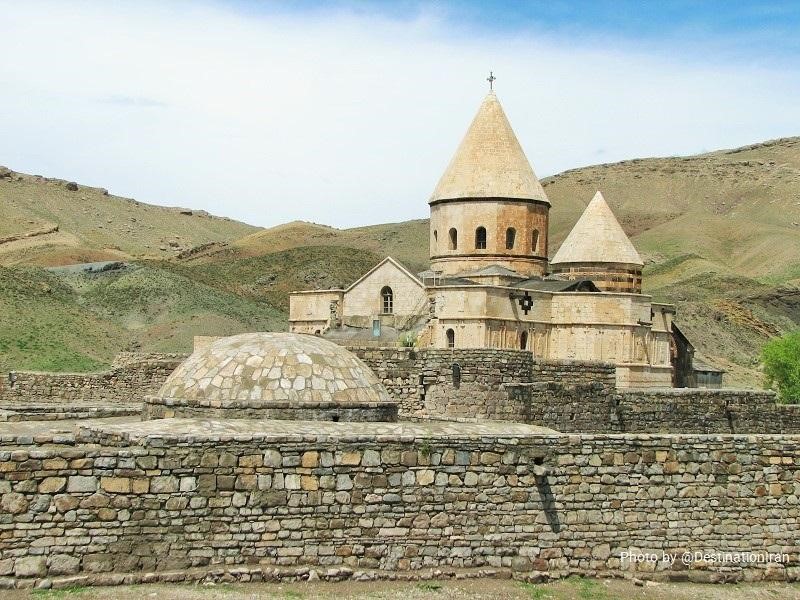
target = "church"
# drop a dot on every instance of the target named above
(491, 284)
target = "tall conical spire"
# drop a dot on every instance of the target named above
(597, 238)
(490, 162)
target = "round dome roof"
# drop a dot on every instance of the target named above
(255, 368)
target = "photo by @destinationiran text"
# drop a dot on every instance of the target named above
(690, 557)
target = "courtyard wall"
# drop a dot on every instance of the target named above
(129, 379)
(345, 496)
(568, 396)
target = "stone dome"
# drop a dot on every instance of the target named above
(274, 376)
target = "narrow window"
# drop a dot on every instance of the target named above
(480, 238)
(523, 340)
(456, 375)
(453, 239)
(435, 239)
(535, 241)
(387, 300)
(511, 236)
(451, 338)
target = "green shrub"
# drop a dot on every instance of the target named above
(408, 340)
(781, 358)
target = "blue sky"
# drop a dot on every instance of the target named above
(737, 27)
(346, 113)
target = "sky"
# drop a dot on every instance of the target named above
(347, 113)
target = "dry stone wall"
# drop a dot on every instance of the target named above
(129, 379)
(569, 396)
(599, 408)
(549, 503)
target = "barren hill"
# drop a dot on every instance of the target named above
(720, 233)
(47, 221)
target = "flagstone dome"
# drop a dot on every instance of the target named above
(273, 376)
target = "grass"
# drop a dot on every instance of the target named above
(60, 593)
(536, 592)
(429, 586)
(78, 322)
(573, 587)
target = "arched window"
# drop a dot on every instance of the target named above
(523, 340)
(387, 300)
(511, 236)
(480, 238)
(435, 238)
(451, 338)
(453, 239)
(535, 241)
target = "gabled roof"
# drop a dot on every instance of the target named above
(393, 262)
(490, 162)
(597, 237)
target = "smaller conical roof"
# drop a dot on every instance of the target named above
(597, 237)
(489, 162)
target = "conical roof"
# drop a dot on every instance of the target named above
(597, 237)
(489, 163)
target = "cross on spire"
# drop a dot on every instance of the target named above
(491, 79)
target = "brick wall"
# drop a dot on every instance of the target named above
(554, 503)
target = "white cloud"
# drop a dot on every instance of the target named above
(339, 118)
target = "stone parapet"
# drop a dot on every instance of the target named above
(128, 380)
(172, 496)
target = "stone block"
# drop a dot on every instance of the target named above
(164, 484)
(425, 477)
(351, 458)
(273, 458)
(268, 499)
(52, 485)
(116, 485)
(82, 483)
(13, 503)
(310, 459)
(371, 458)
(30, 566)
(251, 461)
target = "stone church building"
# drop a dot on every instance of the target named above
(490, 283)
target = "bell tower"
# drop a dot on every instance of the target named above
(489, 208)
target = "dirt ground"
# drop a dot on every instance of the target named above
(486, 589)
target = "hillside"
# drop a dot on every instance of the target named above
(70, 320)
(720, 234)
(54, 222)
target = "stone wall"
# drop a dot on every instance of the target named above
(129, 379)
(399, 371)
(284, 410)
(401, 500)
(568, 396)
(599, 408)
(423, 380)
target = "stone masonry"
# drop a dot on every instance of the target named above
(128, 380)
(171, 495)
(568, 396)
